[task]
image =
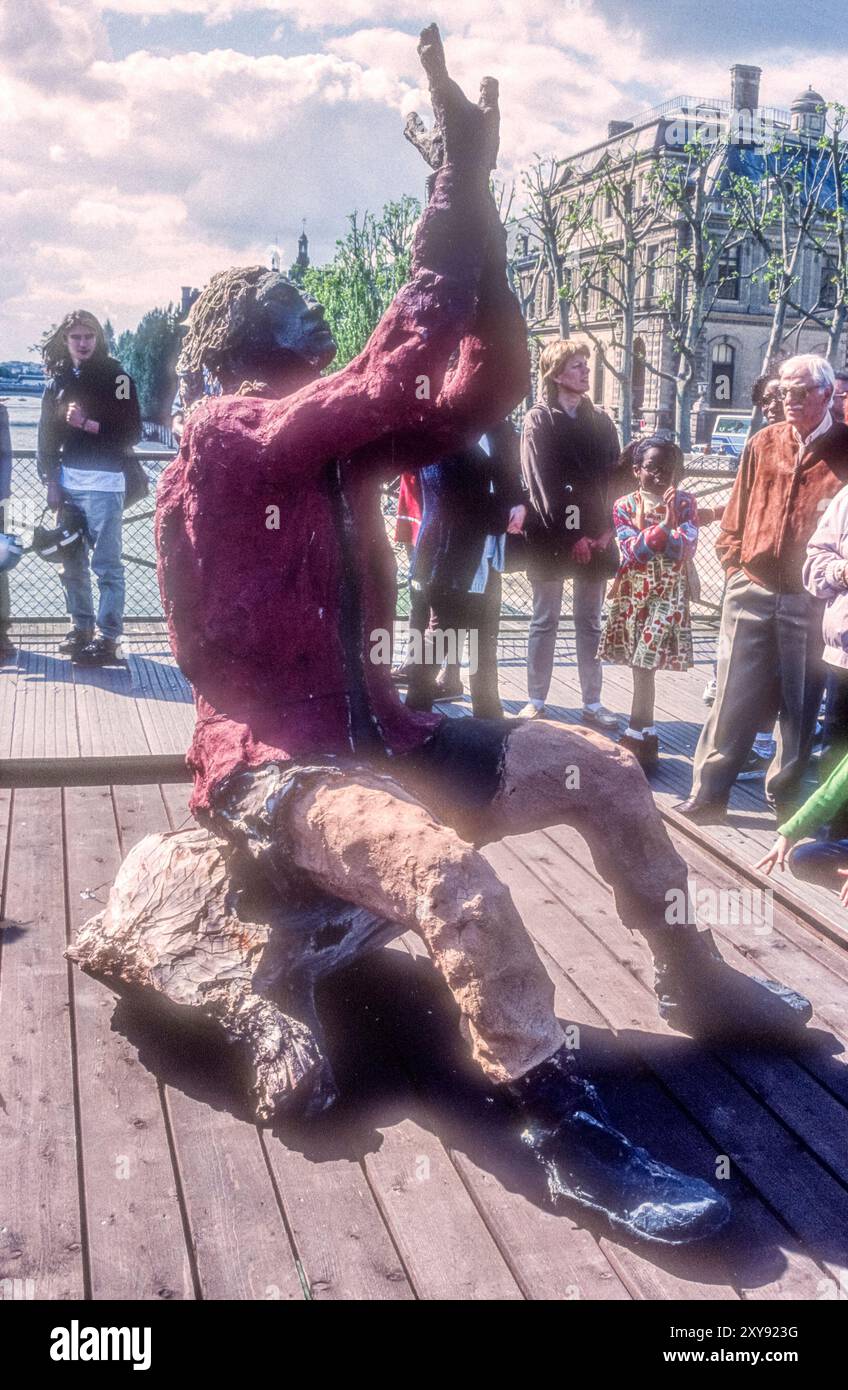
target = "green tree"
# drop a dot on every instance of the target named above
(370, 265)
(150, 354)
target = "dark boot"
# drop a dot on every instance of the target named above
(74, 641)
(7, 647)
(700, 994)
(102, 651)
(587, 1161)
(646, 750)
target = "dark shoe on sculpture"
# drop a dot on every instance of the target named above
(103, 651)
(700, 994)
(587, 1161)
(7, 648)
(74, 641)
(701, 812)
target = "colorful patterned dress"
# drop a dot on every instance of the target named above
(648, 621)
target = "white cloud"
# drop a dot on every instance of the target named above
(127, 176)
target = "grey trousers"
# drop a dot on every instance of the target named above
(769, 665)
(541, 641)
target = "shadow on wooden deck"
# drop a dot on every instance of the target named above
(129, 1167)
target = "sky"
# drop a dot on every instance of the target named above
(146, 144)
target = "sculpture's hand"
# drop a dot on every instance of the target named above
(464, 135)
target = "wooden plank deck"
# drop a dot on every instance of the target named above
(64, 725)
(132, 722)
(129, 1168)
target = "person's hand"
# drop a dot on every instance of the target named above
(465, 135)
(670, 500)
(517, 518)
(843, 892)
(776, 855)
(582, 551)
(601, 542)
(75, 416)
(54, 495)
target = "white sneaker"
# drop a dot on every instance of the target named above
(531, 711)
(599, 717)
(710, 689)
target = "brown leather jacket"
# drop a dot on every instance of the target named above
(777, 502)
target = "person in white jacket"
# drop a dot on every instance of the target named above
(826, 577)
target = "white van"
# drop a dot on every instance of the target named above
(729, 434)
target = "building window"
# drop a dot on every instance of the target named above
(584, 297)
(598, 392)
(827, 284)
(549, 294)
(722, 367)
(652, 275)
(637, 384)
(728, 272)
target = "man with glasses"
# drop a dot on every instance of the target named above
(770, 644)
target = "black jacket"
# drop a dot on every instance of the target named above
(566, 462)
(467, 497)
(104, 392)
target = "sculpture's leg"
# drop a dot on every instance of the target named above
(363, 838)
(554, 774)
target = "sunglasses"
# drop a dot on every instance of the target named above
(797, 393)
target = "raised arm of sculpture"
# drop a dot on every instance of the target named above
(449, 355)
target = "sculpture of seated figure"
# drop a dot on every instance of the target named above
(310, 771)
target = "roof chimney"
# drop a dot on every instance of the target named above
(744, 87)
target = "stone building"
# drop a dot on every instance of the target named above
(734, 342)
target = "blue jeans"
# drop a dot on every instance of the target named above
(103, 512)
(5, 595)
(818, 861)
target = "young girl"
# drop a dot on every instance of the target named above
(648, 626)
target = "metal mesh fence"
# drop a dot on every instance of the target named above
(710, 485)
(36, 589)
(37, 592)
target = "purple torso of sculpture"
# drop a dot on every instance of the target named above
(256, 614)
(273, 627)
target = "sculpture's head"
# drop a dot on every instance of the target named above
(253, 324)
